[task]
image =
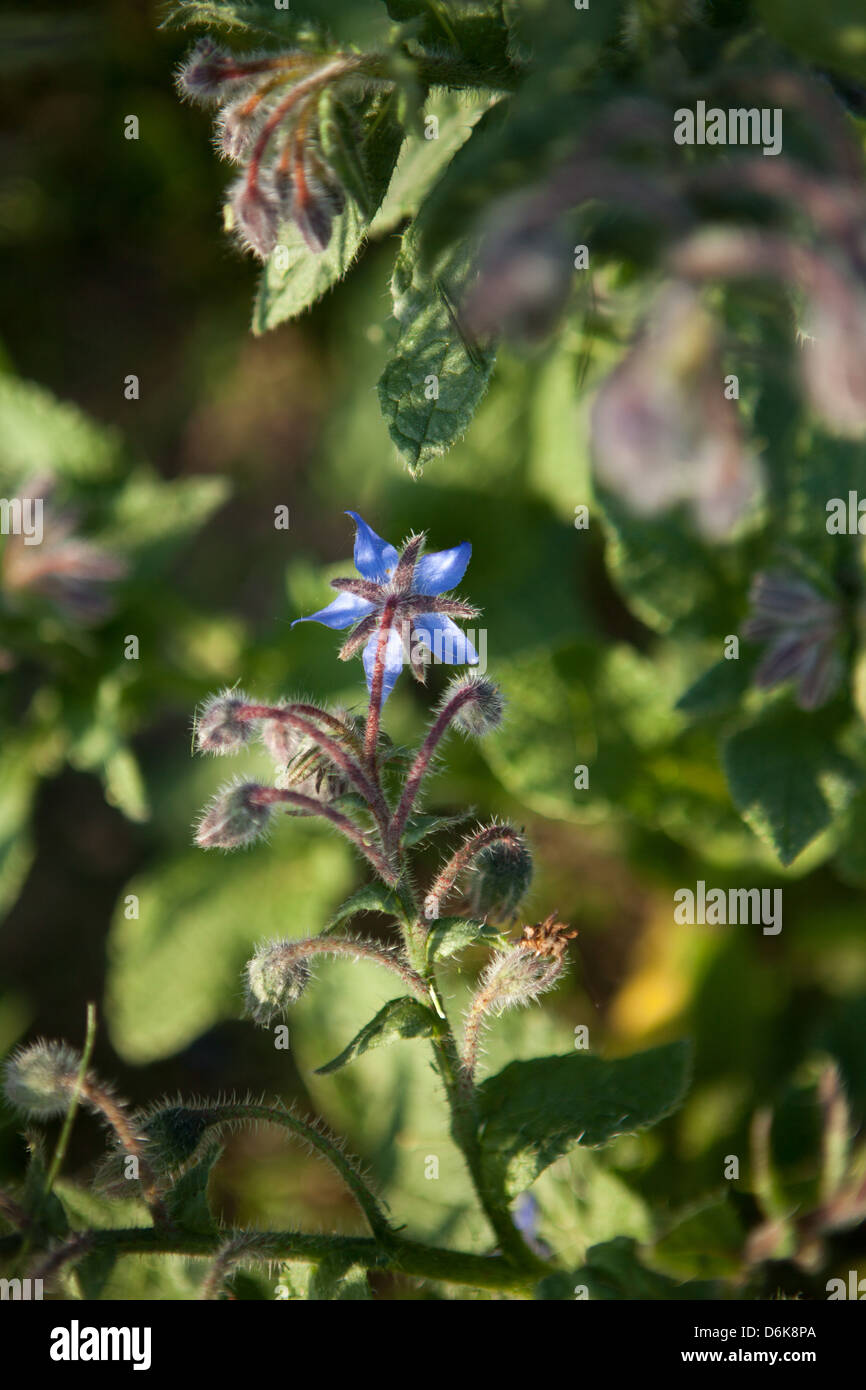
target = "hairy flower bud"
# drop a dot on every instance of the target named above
(275, 979)
(255, 215)
(236, 126)
(237, 816)
(482, 710)
(39, 1079)
(204, 73)
(503, 873)
(218, 728)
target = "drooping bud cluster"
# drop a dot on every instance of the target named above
(275, 979)
(39, 1079)
(275, 114)
(802, 630)
(238, 815)
(501, 878)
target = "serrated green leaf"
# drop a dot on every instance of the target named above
(533, 1112)
(422, 161)
(788, 780)
(435, 376)
(399, 1018)
(450, 935)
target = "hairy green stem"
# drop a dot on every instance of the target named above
(403, 1257)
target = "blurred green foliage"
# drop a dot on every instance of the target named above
(605, 642)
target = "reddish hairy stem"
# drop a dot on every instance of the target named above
(339, 67)
(374, 714)
(421, 764)
(288, 714)
(266, 796)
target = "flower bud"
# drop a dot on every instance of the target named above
(515, 977)
(275, 979)
(237, 816)
(205, 72)
(218, 729)
(502, 875)
(39, 1079)
(255, 215)
(482, 710)
(236, 128)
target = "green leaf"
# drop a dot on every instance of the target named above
(17, 789)
(421, 160)
(306, 22)
(38, 432)
(333, 1279)
(704, 1242)
(435, 376)
(187, 1201)
(788, 780)
(833, 33)
(295, 277)
(399, 1018)
(421, 827)
(534, 1112)
(372, 897)
(718, 690)
(450, 935)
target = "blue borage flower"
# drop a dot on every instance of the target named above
(411, 584)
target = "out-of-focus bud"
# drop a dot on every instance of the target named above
(802, 631)
(39, 1079)
(218, 729)
(662, 430)
(255, 215)
(524, 276)
(68, 570)
(481, 710)
(501, 878)
(238, 815)
(276, 977)
(833, 359)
